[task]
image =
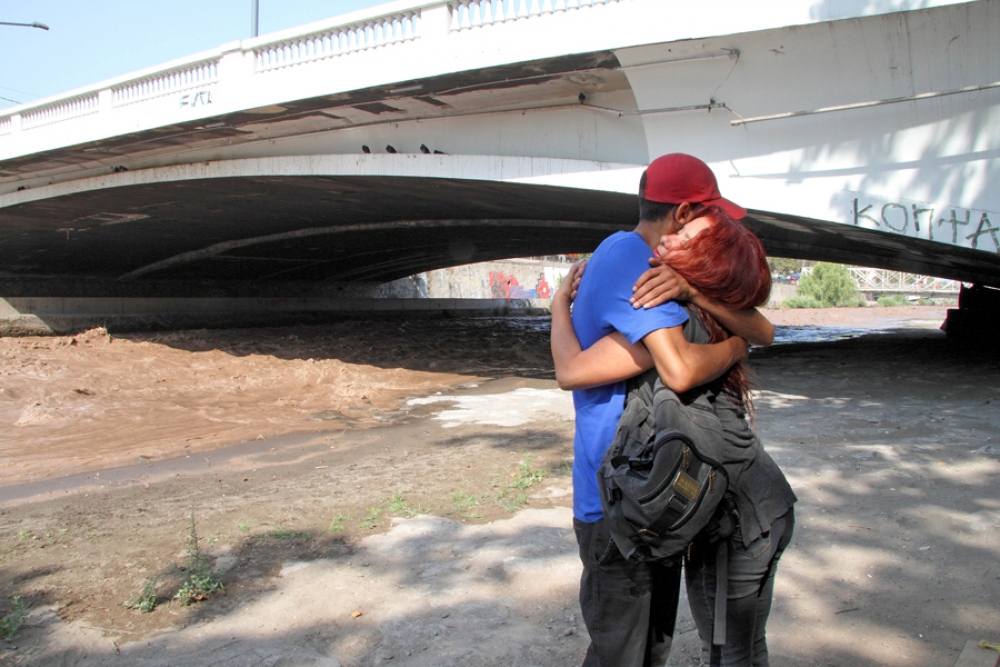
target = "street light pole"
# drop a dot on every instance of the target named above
(33, 24)
(254, 16)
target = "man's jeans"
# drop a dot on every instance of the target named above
(748, 600)
(629, 607)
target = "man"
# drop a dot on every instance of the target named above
(628, 606)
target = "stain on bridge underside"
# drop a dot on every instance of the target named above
(275, 230)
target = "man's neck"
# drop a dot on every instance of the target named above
(651, 231)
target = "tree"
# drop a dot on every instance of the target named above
(831, 285)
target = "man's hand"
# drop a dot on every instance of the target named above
(659, 284)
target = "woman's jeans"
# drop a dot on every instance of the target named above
(750, 587)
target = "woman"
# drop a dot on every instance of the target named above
(721, 259)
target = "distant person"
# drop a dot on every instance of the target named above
(621, 600)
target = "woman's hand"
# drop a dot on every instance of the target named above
(659, 284)
(570, 284)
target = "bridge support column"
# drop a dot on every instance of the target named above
(977, 318)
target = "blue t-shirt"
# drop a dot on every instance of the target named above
(602, 307)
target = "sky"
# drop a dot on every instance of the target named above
(93, 40)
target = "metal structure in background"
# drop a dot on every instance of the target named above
(884, 281)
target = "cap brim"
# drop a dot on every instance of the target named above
(735, 211)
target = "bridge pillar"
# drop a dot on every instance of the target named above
(977, 318)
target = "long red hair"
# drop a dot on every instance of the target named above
(727, 263)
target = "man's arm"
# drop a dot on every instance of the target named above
(660, 284)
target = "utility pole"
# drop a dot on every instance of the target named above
(254, 17)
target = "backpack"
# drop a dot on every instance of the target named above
(661, 488)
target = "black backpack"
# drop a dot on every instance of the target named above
(659, 489)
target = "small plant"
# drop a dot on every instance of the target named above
(461, 501)
(526, 476)
(337, 524)
(243, 526)
(199, 583)
(512, 497)
(373, 517)
(512, 500)
(11, 623)
(397, 506)
(146, 600)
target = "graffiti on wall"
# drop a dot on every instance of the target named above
(197, 98)
(947, 224)
(506, 286)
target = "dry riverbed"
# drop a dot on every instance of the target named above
(373, 492)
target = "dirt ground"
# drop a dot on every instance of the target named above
(398, 493)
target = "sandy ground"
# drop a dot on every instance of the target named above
(376, 493)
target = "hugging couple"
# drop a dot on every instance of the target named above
(620, 319)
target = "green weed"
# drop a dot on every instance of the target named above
(512, 500)
(461, 501)
(199, 583)
(373, 517)
(11, 623)
(526, 475)
(397, 506)
(337, 524)
(146, 600)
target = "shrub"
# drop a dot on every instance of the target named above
(831, 285)
(801, 302)
(890, 300)
(11, 623)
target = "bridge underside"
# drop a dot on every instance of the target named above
(257, 234)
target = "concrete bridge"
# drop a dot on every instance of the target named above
(423, 134)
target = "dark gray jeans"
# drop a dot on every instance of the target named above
(748, 599)
(629, 607)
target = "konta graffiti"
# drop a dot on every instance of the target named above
(958, 226)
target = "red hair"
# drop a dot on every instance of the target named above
(727, 263)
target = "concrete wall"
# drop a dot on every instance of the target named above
(780, 292)
(514, 278)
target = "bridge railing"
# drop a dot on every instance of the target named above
(885, 281)
(171, 81)
(143, 93)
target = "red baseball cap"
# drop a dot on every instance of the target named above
(677, 178)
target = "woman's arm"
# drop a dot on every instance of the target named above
(660, 284)
(681, 365)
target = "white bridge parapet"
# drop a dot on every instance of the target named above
(435, 28)
(194, 85)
